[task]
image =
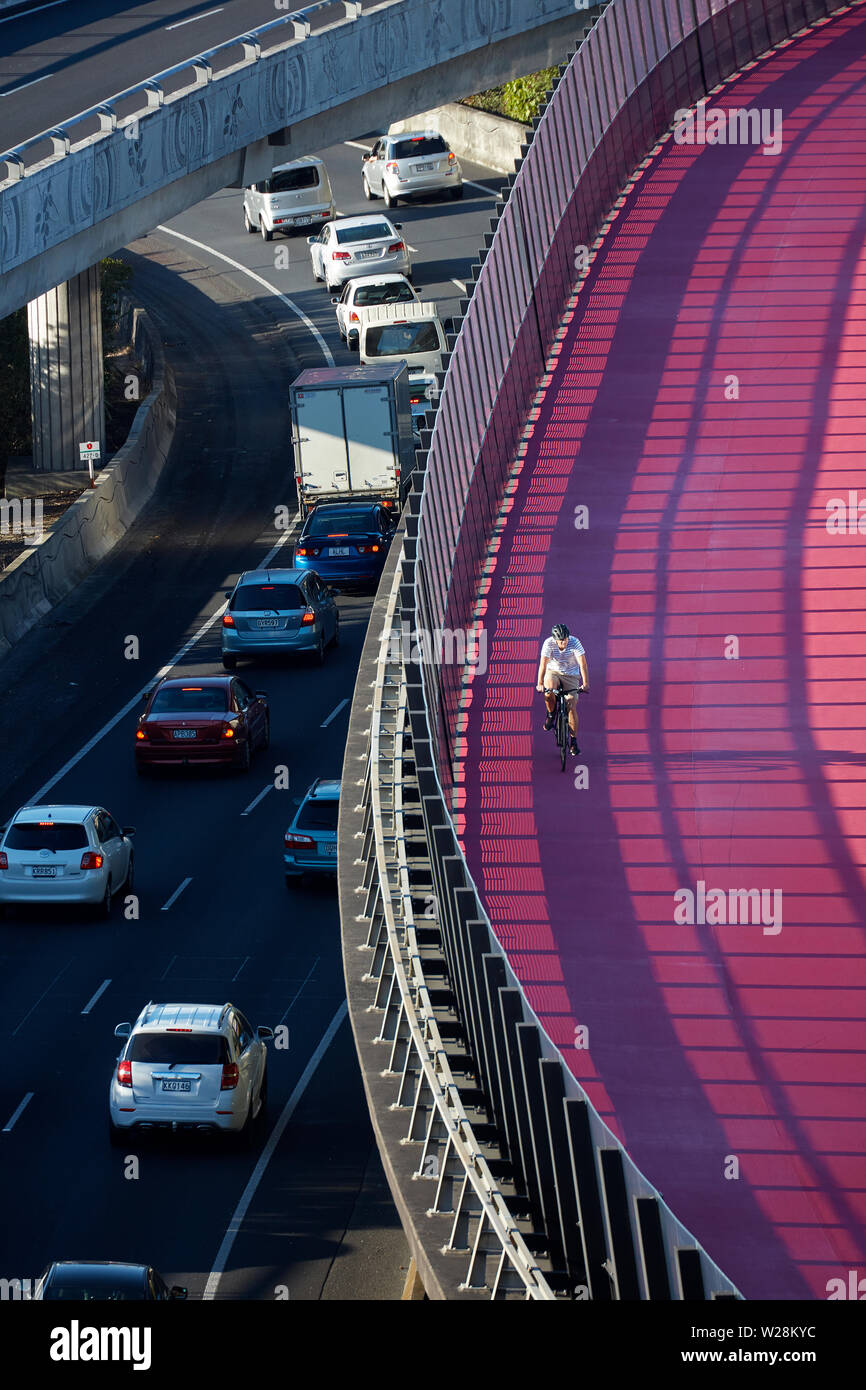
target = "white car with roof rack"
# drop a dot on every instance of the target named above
(64, 854)
(189, 1067)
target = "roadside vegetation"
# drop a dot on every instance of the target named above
(519, 100)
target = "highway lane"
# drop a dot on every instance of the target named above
(56, 62)
(321, 1214)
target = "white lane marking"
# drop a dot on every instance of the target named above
(267, 1153)
(41, 997)
(168, 967)
(175, 895)
(137, 698)
(192, 20)
(334, 712)
(301, 989)
(356, 145)
(11, 93)
(470, 183)
(460, 285)
(260, 280)
(25, 14)
(240, 968)
(90, 1003)
(10, 1122)
(254, 803)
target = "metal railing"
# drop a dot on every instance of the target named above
(454, 1014)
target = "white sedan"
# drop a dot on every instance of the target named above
(365, 292)
(355, 246)
(64, 854)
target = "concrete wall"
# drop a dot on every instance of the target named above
(43, 575)
(472, 134)
(66, 212)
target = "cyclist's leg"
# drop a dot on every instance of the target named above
(551, 685)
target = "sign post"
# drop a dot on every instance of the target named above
(91, 451)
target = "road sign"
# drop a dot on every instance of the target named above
(90, 449)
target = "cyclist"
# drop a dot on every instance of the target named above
(563, 663)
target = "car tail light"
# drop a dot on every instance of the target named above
(393, 167)
(140, 735)
(368, 549)
(91, 860)
(452, 157)
(4, 862)
(292, 839)
(124, 1073)
(308, 549)
(230, 1076)
(354, 318)
(389, 501)
(309, 617)
(228, 620)
(395, 246)
(341, 255)
(228, 731)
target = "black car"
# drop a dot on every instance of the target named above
(77, 1281)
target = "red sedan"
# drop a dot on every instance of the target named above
(208, 720)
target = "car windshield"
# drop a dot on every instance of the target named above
(54, 835)
(279, 598)
(383, 294)
(318, 815)
(347, 522)
(208, 699)
(421, 144)
(370, 231)
(181, 1049)
(288, 180)
(401, 339)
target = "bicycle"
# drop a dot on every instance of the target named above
(560, 723)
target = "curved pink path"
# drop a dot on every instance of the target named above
(708, 401)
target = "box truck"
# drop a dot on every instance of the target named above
(352, 434)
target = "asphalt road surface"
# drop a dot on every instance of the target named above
(317, 1221)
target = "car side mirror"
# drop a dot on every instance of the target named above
(128, 830)
(178, 1291)
(399, 226)
(333, 590)
(335, 299)
(228, 592)
(311, 240)
(123, 1030)
(261, 694)
(264, 1033)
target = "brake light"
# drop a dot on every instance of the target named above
(228, 731)
(230, 1076)
(367, 549)
(354, 318)
(308, 549)
(452, 157)
(90, 860)
(341, 255)
(298, 840)
(389, 501)
(228, 620)
(335, 535)
(4, 862)
(396, 246)
(140, 735)
(309, 617)
(393, 167)
(124, 1073)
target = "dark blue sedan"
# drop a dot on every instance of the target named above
(346, 542)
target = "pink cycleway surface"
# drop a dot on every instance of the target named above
(707, 406)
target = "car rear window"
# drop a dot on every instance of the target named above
(347, 522)
(86, 1292)
(289, 180)
(383, 294)
(370, 231)
(318, 815)
(56, 835)
(189, 1049)
(421, 145)
(206, 699)
(401, 339)
(257, 597)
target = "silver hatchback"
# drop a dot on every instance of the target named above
(64, 854)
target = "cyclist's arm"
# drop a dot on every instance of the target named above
(584, 678)
(542, 667)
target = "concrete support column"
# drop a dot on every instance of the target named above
(66, 374)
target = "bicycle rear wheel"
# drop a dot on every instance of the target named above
(562, 731)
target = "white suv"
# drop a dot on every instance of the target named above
(296, 195)
(189, 1067)
(411, 165)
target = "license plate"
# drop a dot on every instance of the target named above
(177, 1085)
(267, 622)
(423, 168)
(328, 847)
(339, 550)
(367, 255)
(44, 871)
(183, 733)
(302, 221)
